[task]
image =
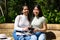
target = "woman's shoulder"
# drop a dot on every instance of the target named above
(43, 17)
(18, 15)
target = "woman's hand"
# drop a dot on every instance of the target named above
(25, 28)
(35, 30)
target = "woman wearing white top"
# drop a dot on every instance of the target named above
(21, 26)
(39, 23)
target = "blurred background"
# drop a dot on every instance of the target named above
(9, 9)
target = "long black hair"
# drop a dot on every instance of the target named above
(28, 9)
(40, 11)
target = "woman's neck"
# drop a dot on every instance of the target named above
(37, 16)
(24, 14)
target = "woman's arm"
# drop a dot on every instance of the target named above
(43, 29)
(16, 27)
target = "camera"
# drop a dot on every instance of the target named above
(31, 29)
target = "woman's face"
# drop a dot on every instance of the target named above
(25, 10)
(36, 11)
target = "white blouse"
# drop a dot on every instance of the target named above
(37, 22)
(20, 22)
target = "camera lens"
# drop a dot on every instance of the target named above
(29, 28)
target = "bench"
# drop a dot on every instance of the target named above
(52, 33)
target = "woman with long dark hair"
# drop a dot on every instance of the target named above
(21, 26)
(39, 23)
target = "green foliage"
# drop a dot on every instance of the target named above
(14, 8)
(11, 12)
(2, 19)
(50, 10)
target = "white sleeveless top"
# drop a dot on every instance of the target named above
(37, 22)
